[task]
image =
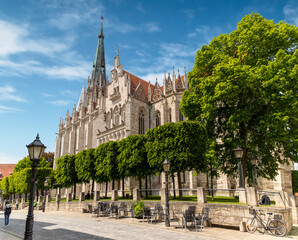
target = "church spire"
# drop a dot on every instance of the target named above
(99, 65)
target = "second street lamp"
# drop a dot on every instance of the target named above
(46, 184)
(166, 167)
(238, 154)
(35, 149)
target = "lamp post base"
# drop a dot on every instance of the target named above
(29, 228)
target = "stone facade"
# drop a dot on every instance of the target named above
(127, 105)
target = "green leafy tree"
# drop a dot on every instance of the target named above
(244, 90)
(132, 158)
(85, 166)
(22, 164)
(22, 180)
(5, 186)
(183, 143)
(106, 163)
(65, 173)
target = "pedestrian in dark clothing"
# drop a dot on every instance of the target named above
(7, 212)
(17, 206)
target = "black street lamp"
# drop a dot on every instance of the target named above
(166, 167)
(238, 154)
(46, 184)
(35, 149)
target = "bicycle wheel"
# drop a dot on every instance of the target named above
(277, 228)
(251, 225)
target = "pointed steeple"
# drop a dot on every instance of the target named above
(82, 99)
(99, 65)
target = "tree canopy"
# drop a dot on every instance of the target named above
(85, 165)
(65, 173)
(243, 88)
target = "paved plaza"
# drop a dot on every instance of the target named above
(71, 225)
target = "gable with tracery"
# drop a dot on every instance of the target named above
(157, 92)
(140, 94)
(180, 85)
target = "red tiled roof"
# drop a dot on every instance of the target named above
(6, 170)
(135, 83)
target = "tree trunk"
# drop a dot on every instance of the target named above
(173, 178)
(123, 193)
(150, 185)
(92, 190)
(74, 191)
(140, 185)
(146, 186)
(180, 186)
(106, 194)
(113, 184)
(211, 173)
(207, 178)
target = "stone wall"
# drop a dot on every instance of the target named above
(220, 214)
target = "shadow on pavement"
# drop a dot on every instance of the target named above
(40, 231)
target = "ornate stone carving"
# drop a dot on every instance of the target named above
(140, 94)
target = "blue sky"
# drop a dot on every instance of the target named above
(47, 49)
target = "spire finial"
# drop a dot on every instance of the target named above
(117, 50)
(156, 79)
(101, 17)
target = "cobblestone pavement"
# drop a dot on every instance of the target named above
(72, 225)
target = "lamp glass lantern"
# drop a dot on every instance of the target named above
(36, 149)
(46, 182)
(253, 161)
(238, 152)
(166, 165)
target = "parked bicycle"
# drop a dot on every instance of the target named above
(275, 226)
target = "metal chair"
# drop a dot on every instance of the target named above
(104, 208)
(113, 210)
(202, 217)
(90, 210)
(122, 208)
(158, 211)
(189, 216)
(147, 214)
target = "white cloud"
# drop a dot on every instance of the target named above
(140, 7)
(152, 78)
(67, 93)
(176, 50)
(205, 33)
(8, 93)
(152, 27)
(46, 94)
(17, 38)
(77, 72)
(113, 24)
(8, 159)
(4, 109)
(291, 13)
(60, 102)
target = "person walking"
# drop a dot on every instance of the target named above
(7, 212)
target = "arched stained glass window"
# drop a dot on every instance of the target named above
(141, 122)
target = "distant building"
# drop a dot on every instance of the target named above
(6, 170)
(129, 105)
